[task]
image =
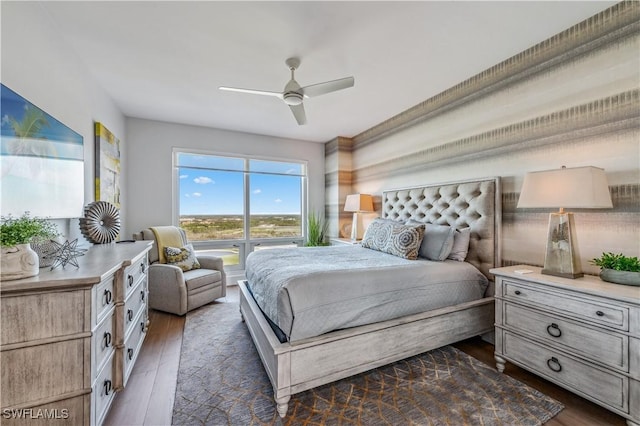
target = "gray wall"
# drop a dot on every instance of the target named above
(571, 100)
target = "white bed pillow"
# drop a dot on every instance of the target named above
(394, 238)
(437, 241)
(460, 245)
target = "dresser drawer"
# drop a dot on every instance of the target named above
(102, 342)
(104, 298)
(132, 306)
(596, 312)
(605, 387)
(596, 344)
(133, 344)
(134, 273)
(103, 392)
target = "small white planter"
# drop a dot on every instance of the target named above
(620, 277)
(17, 262)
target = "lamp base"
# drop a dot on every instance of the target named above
(562, 258)
(357, 228)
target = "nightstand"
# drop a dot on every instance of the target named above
(343, 241)
(582, 334)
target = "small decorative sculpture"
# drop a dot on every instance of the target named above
(66, 253)
(101, 222)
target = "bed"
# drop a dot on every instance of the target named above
(347, 348)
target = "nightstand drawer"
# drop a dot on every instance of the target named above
(595, 312)
(596, 344)
(603, 386)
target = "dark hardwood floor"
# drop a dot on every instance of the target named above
(149, 394)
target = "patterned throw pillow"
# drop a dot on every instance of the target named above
(394, 238)
(184, 257)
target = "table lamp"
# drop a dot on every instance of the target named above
(358, 203)
(579, 187)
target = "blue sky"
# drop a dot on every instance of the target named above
(204, 191)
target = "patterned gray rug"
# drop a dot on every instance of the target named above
(221, 381)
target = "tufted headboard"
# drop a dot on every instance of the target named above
(470, 203)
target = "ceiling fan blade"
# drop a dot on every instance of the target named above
(327, 87)
(251, 91)
(298, 113)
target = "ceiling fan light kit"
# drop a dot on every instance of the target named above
(293, 95)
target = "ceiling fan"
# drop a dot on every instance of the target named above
(293, 94)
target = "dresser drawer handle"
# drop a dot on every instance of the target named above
(142, 268)
(142, 326)
(107, 339)
(554, 364)
(600, 313)
(130, 353)
(107, 387)
(518, 293)
(130, 279)
(554, 330)
(108, 296)
(142, 295)
(129, 315)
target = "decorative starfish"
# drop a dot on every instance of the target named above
(66, 253)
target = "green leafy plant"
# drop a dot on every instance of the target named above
(25, 229)
(317, 228)
(618, 262)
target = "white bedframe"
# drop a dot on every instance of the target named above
(305, 364)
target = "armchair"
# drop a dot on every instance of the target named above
(177, 292)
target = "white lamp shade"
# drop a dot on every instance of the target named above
(578, 187)
(358, 203)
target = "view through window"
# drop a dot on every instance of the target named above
(230, 206)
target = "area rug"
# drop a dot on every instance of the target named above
(221, 381)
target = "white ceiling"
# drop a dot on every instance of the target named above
(165, 60)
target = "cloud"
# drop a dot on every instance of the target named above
(184, 176)
(196, 194)
(257, 191)
(203, 180)
(278, 200)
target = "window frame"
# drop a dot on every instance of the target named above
(247, 244)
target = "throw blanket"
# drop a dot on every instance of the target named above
(167, 236)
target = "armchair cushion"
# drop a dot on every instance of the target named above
(197, 278)
(184, 257)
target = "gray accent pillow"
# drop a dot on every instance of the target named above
(394, 238)
(460, 245)
(437, 242)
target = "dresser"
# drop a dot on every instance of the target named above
(70, 337)
(582, 334)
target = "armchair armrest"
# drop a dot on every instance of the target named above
(167, 289)
(213, 262)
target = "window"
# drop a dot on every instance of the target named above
(229, 206)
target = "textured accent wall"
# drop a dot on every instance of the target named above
(571, 100)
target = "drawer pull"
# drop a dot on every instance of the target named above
(130, 353)
(142, 268)
(107, 387)
(108, 297)
(600, 313)
(142, 326)
(107, 339)
(554, 330)
(142, 295)
(554, 364)
(518, 293)
(130, 278)
(129, 315)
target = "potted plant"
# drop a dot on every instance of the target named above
(317, 228)
(618, 268)
(19, 260)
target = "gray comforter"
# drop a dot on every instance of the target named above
(313, 290)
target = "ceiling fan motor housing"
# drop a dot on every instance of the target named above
(292, 98)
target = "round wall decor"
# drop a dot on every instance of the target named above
(101, 222)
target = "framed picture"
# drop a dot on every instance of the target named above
(107, 166)
(41, 162)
